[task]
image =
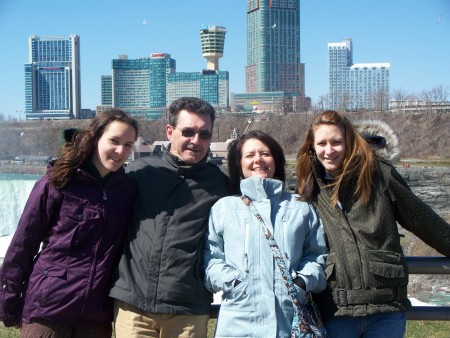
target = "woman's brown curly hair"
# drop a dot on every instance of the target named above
(81, 147)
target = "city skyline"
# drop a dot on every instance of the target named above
(414, 36)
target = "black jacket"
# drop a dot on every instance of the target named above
(161, 269)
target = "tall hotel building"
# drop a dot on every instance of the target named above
(273, 47)
(52, 78)
(355, 86)
(139, 85)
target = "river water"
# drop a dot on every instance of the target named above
(14, 191)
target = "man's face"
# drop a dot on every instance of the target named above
(191, 137)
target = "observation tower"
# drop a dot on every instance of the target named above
(212, 39)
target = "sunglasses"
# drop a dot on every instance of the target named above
(189, 133)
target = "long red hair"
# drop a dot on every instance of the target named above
(358, 165)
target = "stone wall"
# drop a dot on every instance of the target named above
(432, 185)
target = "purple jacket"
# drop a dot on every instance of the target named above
(81, 228)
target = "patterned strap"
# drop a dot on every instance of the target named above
(306, 322)
(292, 291)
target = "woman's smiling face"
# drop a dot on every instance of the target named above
(113, 147)
(257, 160)
(329, 145)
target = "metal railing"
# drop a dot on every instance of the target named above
(416, 265)
(428, 266)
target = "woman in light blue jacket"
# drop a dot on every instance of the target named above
(238, 260)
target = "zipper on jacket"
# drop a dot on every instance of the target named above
(361, 269)
(343, 214)
(283, 232)
(246, 244)
(93, 269)
(105, 197)
(92, 272)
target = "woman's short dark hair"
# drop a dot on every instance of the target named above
(235, 156)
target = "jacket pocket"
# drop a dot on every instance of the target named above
(386, 269)
(45, 279)
(77, 223)
(238, 298)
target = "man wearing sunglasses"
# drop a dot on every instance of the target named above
(158, 286)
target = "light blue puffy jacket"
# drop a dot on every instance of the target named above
(236, 249)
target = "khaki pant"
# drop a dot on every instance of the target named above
(131, 322)
(45, 329)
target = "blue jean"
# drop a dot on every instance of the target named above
(392, 325)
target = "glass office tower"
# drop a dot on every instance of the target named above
(52, 78)
(273, 47)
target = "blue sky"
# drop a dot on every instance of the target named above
(413, 35)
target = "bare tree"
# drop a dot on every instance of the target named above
(425, 96)
(439, 94)
(320, 102)
(400, 97)
(381, 100)
(345, 101)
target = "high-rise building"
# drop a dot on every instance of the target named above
(355, 86)
(52, 78)
(209, 85)
(273, 47)
(139, 85)
(212, 39)
(106, 90)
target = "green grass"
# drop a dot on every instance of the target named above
(428, 329)
(211, 327)
(414, 329)
(8, 332)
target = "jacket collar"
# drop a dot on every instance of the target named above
(182, 167)
(258, 189)
(82, 173)
(319, 171)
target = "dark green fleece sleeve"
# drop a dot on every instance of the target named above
(416, 216)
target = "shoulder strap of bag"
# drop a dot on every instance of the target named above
(288, 282)
(305, 323)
